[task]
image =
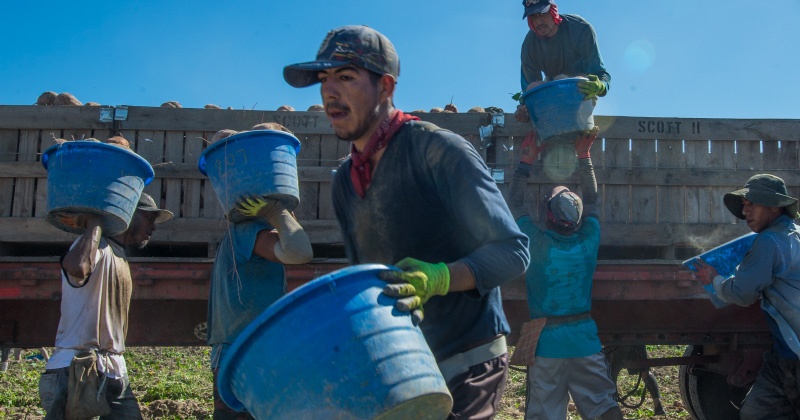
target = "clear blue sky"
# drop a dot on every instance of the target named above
(680, 58)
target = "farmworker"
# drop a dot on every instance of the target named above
(95, 297)
(770, 270)
(559, 45)
(420, 197)
(248, 273)
(568, 354)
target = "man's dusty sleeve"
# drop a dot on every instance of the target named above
(752, 276)
(474, 201)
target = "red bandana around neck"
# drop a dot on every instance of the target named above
(361, 167)
(553, 12)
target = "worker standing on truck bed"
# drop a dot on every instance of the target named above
(248, 274)
(559, 45)
(568, 354)
(86, 376)
(420, 197)
(770, 270)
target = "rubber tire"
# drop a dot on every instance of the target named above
(708, 396)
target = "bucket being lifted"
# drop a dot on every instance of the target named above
(92, 177)
(335, 348)
(260, 162)
(724, 258)
(558, 110)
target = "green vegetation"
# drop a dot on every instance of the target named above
(175, 383)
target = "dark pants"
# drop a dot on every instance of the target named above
(776, 392)
(53, 386)
(222, 411)
(476, 393)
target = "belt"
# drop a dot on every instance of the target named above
(561, 319)
(461, 362)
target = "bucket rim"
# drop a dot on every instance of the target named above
(567, 81)
(230, 355)
(101, 146)
(201, 163)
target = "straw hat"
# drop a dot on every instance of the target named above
(763, 189)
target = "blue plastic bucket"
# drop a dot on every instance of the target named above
(724, 258)
(260, 162)
(335, 348)
(557, 109)
(93, 177)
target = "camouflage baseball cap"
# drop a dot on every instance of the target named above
(763, 189)
(536, 6)
(359, 45)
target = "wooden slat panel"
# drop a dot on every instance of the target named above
(8, 153)
(644, 198)
(670, 199)
(331, 150)
(789, 155)
(771, 156)
(24, 188)
(173, 150)
(617, 198)
(150, 146)
(723, 157)
(698, 199)
(156, 119)
(211, 207)
(40, 206)
(748, 156)
(309, 189)
(190, 230)
(193, 147)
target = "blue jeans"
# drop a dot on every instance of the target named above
(53, 385)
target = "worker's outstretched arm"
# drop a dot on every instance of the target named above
(586, 178)
(516, 195)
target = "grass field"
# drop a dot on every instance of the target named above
(175, 383)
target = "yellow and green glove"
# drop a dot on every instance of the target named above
(418, 282)
(293, 246)
(592, 88)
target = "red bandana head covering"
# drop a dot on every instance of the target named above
(553, 13)
(361, 167)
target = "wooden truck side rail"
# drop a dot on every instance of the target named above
(661, 182)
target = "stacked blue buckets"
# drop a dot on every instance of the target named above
(92, 177)
(335, 348)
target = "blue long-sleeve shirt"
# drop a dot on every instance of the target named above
(432, 198)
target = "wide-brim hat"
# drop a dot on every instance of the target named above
(146, 203)
(358, 45)
(765, 190)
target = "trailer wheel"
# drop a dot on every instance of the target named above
(706, 394)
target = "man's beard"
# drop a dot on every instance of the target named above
(361, 129)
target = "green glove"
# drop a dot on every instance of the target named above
(253, 206)
(416, 284)
(592, 88)
(293, 246)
